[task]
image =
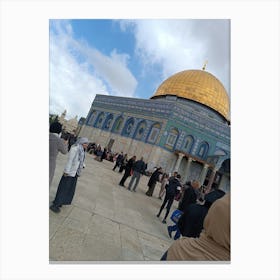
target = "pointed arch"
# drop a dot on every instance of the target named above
(139, 132)
(188, 143)
(117, 124)
(108, 122)
(91, 117)
(99, 120)
(202, 150)
(154, 133)
(128, 127)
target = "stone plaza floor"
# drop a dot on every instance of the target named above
(106, 222)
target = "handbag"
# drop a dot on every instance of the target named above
(176, 215)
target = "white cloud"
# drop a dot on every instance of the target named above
(178, 45)
(114, 71)
(78, 73)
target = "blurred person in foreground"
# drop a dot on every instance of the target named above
(56, 145)
(213, 244)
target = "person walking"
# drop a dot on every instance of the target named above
(138, 169)
(172, 189)
(123, 163)
(153, 181)
(127, 172)
(67, 185)
(56, 145)
(118, 161)
(164, 181)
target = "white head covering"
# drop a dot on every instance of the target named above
(79, 143)
(82, 140)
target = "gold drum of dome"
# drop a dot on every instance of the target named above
(199, 86)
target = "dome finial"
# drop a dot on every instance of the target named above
(204, 66)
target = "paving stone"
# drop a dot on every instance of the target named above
(66, 244)
(104, 229)
(153, 247)
(98, 249)
(84, 203)
(79, 225)
(130, 239)
(56, 217)
(131, 255)
(53, 227)
(104, 211)
(80, 214)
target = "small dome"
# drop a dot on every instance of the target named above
(199, 86)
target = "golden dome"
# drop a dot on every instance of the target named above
(199, 86)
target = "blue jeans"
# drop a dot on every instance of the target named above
(136, 175)
(173, 228)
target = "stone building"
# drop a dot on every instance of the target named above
(184, 126)
(70, 125)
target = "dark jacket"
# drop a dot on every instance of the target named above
(154, 178)
(191, 222)
(104, 154)
(212, 196)
(119, 159)
(172, 187)
(129, 165)
(189, 197)
(139, 166)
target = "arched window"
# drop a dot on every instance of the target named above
(140, 130)
(108, 122)
(99, 120)
(154, 132)
(172, 137)
(117, 125)
(128, 127)
(91, 118)
(203, 150)
(188, 143)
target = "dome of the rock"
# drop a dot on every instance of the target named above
(199, 86)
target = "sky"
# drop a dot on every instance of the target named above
(129, 58)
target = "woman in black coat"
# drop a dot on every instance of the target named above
(153, 180)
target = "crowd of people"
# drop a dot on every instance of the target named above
(201, 212)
